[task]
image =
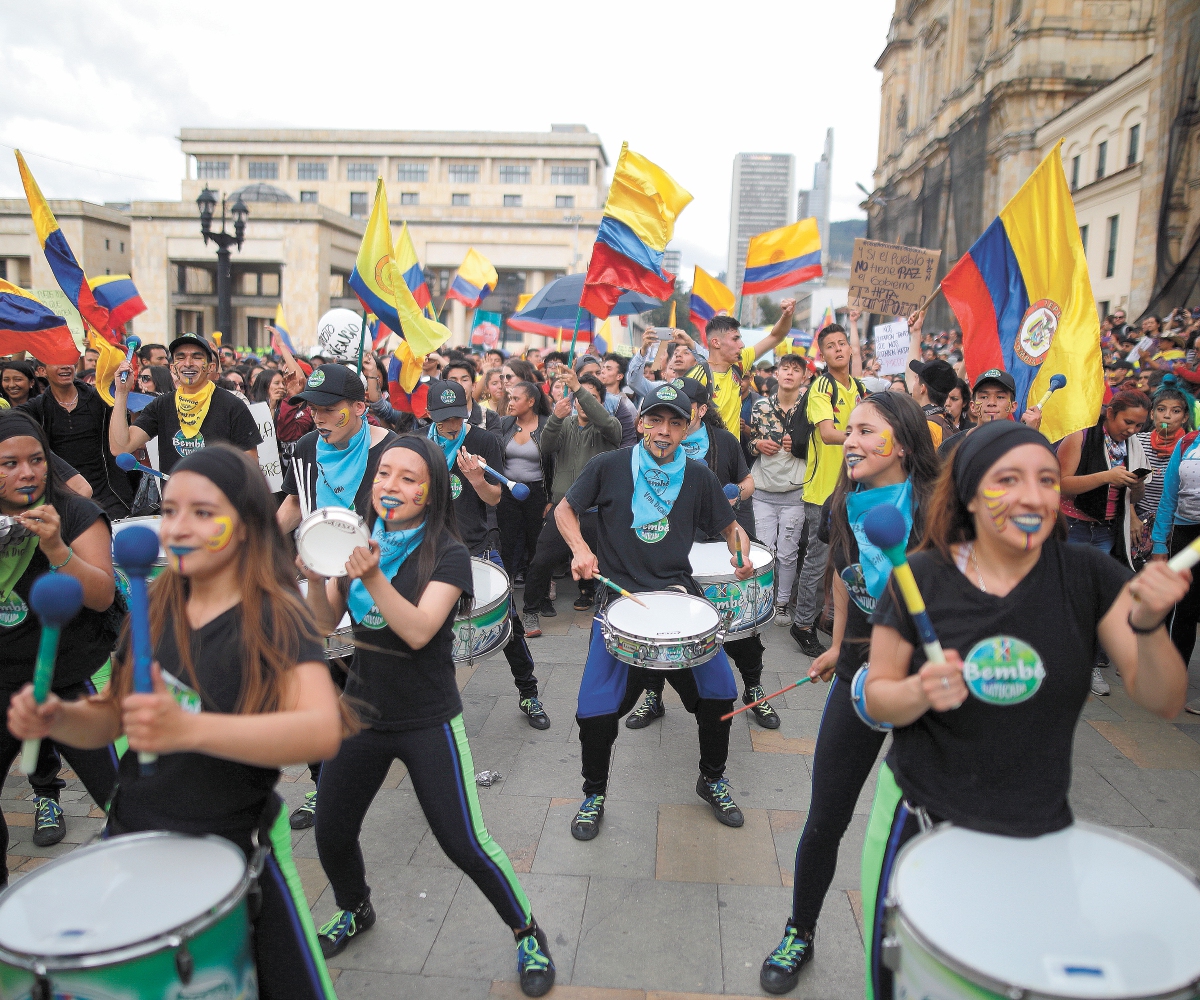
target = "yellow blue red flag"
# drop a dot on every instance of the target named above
(118, 294)
(474, 280)
(405, 256)
(108, 359)
(709, 298)
(282, 329)
(28, 325)
(783, 258)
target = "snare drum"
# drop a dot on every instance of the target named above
(673, 632)
(1083, 913)
(152, 521)
(744, 605)
(326, 538)
(488, 626)
(339, 644)
(139, 917)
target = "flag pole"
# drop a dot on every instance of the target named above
(932, 295)
(575, 335)
(362, 341)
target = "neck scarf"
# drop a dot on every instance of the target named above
(394, 548)
(191, 409)
(655, 487)
(15, 558)
(1163, 446)
(875, 565)
(449, 446)
(695, 445)
(340, 470)
(612, 402)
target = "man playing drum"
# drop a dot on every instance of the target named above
(651, 501)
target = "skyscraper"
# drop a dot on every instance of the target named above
(762, 199)
(672, 260)
(816, 201)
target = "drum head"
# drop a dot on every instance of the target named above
(490, 582)
(326, 538)
(118, 893)
(1078, 913)
(712, 558)
(151, 521)
(667, 616)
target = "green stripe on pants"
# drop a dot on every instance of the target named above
(879, 829)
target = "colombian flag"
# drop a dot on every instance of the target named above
(405, 256)
(1024, 299)
(280, 325)
(783, 258)
(474, 280)
(639, 221)
(709, 297)
(27, 325)
(117, 294)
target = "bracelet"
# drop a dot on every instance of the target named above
(71, 552)
(1134, 628)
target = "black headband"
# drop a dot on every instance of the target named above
(222, 466)
(18, 423)
(986, 445)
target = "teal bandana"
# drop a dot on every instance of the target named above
(695, 445)
(875, 565)
(394, 548)
(340, 470)
(655, 487)
(449, 446)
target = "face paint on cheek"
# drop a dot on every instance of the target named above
(997, 505)
(343, 417)
(223, 536)
(886, 445)
(421, 494)
(176, 554)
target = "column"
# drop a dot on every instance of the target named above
(458, 321)
(537, 281)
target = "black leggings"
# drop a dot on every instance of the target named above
(845, 753)
(439, 764)
(552, 550)
(1187, 611)
(520, 519)
(746, 654)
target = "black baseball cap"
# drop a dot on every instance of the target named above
(446, 400)
(191, 340)
(670, 397)
(330, 384)
(937, 374)
(999, 376)
(696, 391)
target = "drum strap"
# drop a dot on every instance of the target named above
(921, 814)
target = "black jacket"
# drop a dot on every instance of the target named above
(508, 430)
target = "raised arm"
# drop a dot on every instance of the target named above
(778, 331)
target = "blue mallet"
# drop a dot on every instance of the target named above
(1056, 383)
(732, 492)
(885, 528)
(55, 598)
(519, 490)
(135, 551)
(132, 343)
(127, 462)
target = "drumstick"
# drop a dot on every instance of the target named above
(132, 343)
(1056, 382)
(621, 590)
(128, 463)
(56, 598)
(519, 490)
(1186, 558)
(737, 544)
(135, 551)
(755, 704)
(885, 527)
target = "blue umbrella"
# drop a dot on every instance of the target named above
(557, 304)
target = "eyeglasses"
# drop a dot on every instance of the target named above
(510, 377)
(147, 377)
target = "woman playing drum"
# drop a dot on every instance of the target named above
(246, 693)
(402, 594)
(984, 739)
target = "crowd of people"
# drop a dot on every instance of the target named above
(627, 463)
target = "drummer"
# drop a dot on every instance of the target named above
(331, 466)
(402, 594)
(709, 442)
(644, 538)
(1004, 591)
(473, 493)
(246, 693)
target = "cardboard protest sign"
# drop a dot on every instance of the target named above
(890, 279)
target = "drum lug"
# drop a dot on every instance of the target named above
(185, 965)
(889, 953)
(1015, 993)
(40, 990)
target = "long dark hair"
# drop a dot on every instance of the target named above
(161, 377)
(541, 405)
(27, 369)
(524, 371)
(18, 423)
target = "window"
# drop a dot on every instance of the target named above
(260, 171)
(1102, 308)
(410, 198)
(361, 171)
(1101, 160)
(464, 173)
(269, 284)
(512, 174)
(122, 246)
(337, 285)
(312, 171)
(460, 199)
(106, 246)
(1110, 267)
(1135, 135)
(414, 173)
(194, 280)
(569, 175)
(108, 270)
(3, 269)
(358, 204)
(212, 170)
(308, 197)
(1083, 233)
(512, 201)
(564, 201)
(1074, 172)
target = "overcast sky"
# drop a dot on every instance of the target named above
(106, 87)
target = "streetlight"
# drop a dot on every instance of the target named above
(574, 219)
(207, 202)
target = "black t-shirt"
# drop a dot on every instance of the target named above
(726, 460)
(856, 641)
(654, 559)
(88, 638)
(301, 468)
(193, 792)
(1004, 765)
(402, 687)
(228, 419)
(77, 436)
(469, 508)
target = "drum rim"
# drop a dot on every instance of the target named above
(475, 612)
(173, 937)
(506, 632)
(1183, 991)
(731, 577)
(692, 637)
(323, 514)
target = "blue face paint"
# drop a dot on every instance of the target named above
(1031, 524)
(177, 554)
(390, 505)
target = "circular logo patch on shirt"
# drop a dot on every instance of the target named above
(373, 619)
(455, 486)
(1037, 331)
(856, 587)
(448, 396)
(653, 532)
(187, 446)
(657, 480)
(13, 611)
(317, 378)
(1003, 670)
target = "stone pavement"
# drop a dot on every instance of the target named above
(666, 904)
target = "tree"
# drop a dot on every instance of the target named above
(662, 315)
(768, 311)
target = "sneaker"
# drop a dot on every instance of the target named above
(547, 609)
(781, 969)
(650, 709)
(806, 639)
(586, 823)
(1100, 686)
(50, 826)
(782, 618)
(518, 581)
(534, 964)
(537, 715)
(584, 602)
(765, 715)
(529, 622)
(336, 933)
(716, 794)
(305, 815)
(1192, 707)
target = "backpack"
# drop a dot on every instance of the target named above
(803, 429)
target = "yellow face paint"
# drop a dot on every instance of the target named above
(887, 444)
(421, 494)
(223, 536)
(997, 505)
(343, 416)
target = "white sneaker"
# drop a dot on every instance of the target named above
(1100, 686)
(782, 618)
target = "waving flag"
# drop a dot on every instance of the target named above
(783, 258)
(639, 221)
(27, 325)
(118, 294)
(407, 387)
(474, 280)
(280, 325)
(108, 358)
(709, 297)
(405, 256)
(1024, 299)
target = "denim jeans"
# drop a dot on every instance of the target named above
(1097, 534)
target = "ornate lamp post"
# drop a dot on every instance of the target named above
(207, 202)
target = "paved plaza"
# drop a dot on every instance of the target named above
(666, 903)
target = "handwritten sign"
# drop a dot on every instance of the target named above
(890, 279)
(891, 347)
(268, 451)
